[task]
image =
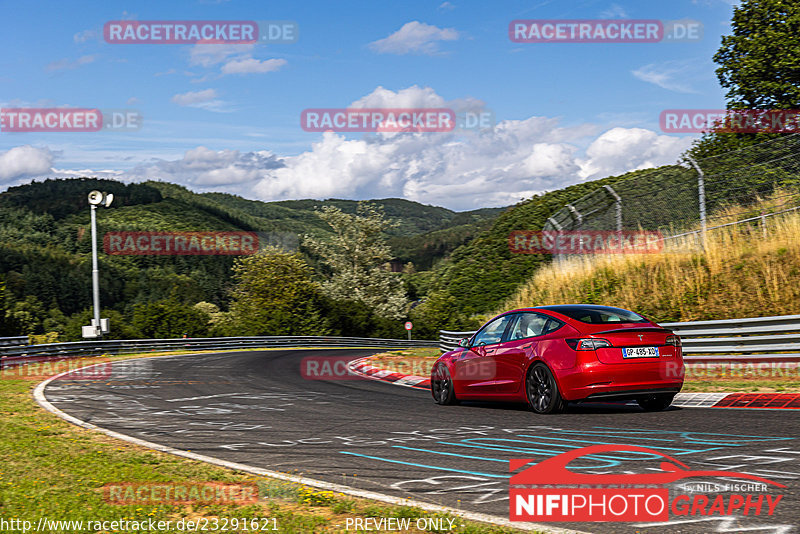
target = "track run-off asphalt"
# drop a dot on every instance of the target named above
(258, 409)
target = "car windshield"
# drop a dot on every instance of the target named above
(598, 314)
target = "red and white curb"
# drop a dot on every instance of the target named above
(775, 401)
(363, 367)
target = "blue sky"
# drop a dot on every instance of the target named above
(227, 117)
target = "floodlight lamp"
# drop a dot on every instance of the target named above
(95, 198)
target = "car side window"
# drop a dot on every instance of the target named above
(552, 325)
(528, 325)
(492, 332)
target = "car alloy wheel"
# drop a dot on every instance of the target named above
(542, 390)
(442, 386)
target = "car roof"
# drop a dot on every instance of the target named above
(565, 307)
(596, 307)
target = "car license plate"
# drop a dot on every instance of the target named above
(640, 352)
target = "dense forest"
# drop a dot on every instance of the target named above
(45, 265)
(451, 265)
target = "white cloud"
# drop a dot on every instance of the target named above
(446, 6)
(85, 35)
(549, 159)
(251, 65)
(492, 167)
(23, 161)
(208, 55)
(410, 97)
(68, 64)
(205, 99)
(233, 58)
(627, 149)
(672, 75)
(414, 38)
(210, 169)
(614, 11)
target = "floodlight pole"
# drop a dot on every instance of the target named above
(95, 272)
(98, 326)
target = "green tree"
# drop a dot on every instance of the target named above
(440, 311)
(25, 316)
(357, 254)
(5, 323)
(759, 65)
(274, 295)
(169, 318)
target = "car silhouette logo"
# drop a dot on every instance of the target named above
(555, 468)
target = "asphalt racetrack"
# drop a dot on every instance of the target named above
(256, 408)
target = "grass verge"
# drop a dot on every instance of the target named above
(746, 270)
(54, 470)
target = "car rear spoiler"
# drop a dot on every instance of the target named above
(634, 329)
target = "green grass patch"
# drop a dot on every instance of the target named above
(52, 469)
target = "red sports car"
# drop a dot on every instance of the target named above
(550, 355)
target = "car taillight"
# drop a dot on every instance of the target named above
(587, 343)
(673, 340)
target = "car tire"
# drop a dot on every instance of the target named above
(541, 390)
(655, 403)
(442, 386)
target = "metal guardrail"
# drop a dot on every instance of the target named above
(754, 339)
(13, 341)
(21, 354)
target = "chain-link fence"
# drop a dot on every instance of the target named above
(743, 185)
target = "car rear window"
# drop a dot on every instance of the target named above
(598, 314)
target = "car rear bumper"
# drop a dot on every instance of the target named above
(625, 380)
(631, 394)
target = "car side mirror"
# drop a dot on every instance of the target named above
(464, 343)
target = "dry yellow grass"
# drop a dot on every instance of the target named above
(741, 273)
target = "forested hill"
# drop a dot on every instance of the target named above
(45, 245)
(139, 206)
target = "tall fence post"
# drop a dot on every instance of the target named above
(576, 214)
(617, 206)
(559, 228)
(701, 196)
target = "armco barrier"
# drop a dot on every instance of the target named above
(21, 354)
(752, 340)
(13, 341)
